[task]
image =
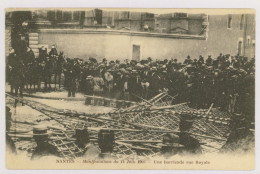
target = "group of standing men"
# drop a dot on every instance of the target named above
(227, 81)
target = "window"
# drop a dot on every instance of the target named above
(98, 16)
(76, 15)
(180, 15)
(229, 21)
(241, 22)
(59, 15)
(148, 15)
(67, 16)
(124, 15)
(51, 15)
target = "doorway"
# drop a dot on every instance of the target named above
(136, 52)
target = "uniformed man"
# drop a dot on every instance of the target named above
(71, 78)
(53, 51)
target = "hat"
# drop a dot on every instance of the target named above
(101, 65)
(129, 69)
(190, 66)
(230, 67)
(209, 67)
(242, 71)
(234, 77)
(39, 130)
(153, 68)
(138, 65)
(89, 77)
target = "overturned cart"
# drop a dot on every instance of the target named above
(144, 130)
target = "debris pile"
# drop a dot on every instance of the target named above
(144, 130)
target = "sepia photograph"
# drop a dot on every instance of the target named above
(118, 88)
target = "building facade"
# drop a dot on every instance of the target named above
(138, 35)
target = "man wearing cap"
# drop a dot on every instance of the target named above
(209, 61)
(98, 85)
(109, 83)
(134, 84)
(29, 60)
(48, 71)
(89, 88)
(71, 78)
(208, 87)
(187, 61)
(154, 80)
(201, 60)
(119, 85)
(104, 61)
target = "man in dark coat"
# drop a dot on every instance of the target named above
(53, 51)
(72, 76)
(11, 61)
(119, 85)
(209, 61)
(201, 60)
(134, 85)
(187, 61)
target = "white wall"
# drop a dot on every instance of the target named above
(120, 46)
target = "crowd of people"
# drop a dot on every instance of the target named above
(227, 81)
